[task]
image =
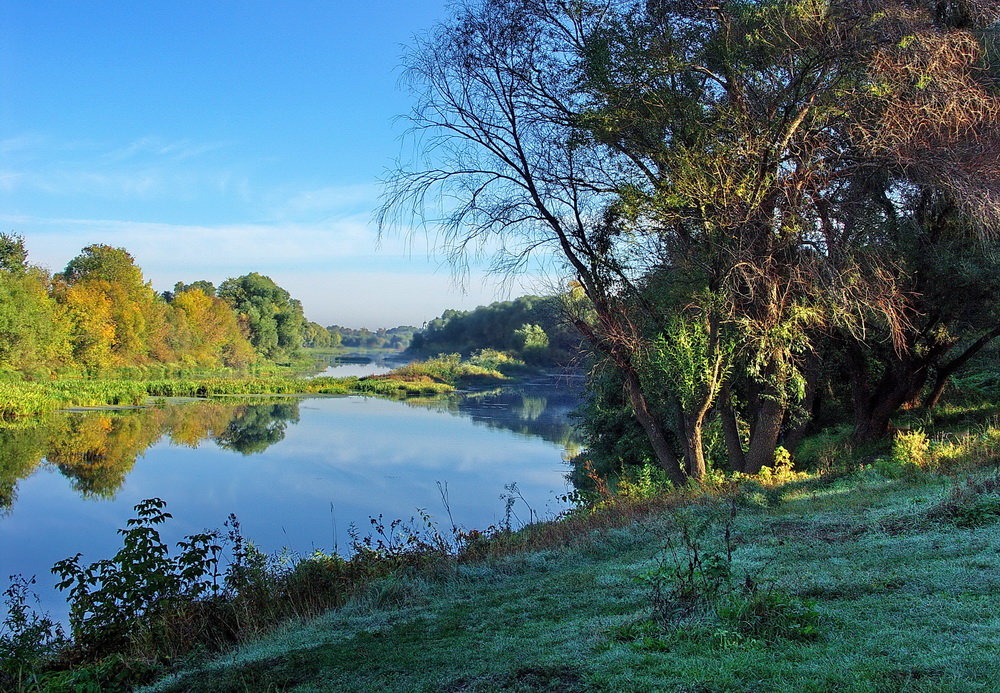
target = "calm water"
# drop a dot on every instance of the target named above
(297, 473)
(357, 365)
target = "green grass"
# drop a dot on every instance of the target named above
(907, 599)
(20, 399)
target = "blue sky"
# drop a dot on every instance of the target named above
(217, 137)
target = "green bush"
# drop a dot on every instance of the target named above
(769, 614)
(113, 600)
(27, 640)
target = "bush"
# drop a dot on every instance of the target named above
(769, 614)
(910, 455)
(27, 640)
(113, 600)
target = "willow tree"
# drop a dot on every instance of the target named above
(703, 169)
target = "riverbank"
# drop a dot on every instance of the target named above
(23, 399)
(881, 578)
(783, 581)
(874, 573)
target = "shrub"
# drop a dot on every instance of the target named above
(27, 640)
(769, 614)
(112, 600)
(909, 456)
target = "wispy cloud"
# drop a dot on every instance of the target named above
(178, 150)
(340, 270)
(329, 201)
(146, 168)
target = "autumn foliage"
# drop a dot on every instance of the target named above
(100, 313)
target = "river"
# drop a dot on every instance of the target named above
(300, 474)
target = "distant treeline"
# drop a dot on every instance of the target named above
(533, 327)
(382, 338)
(100, 313)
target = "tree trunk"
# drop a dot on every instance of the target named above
(764, 433)
(658, 440)
(945, 371)
(811, 402)
(731, 433)
(900, 383)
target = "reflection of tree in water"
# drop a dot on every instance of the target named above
(190, 424)
(97, 450)
(536, 410)
(530, 408)
(21, 450)
(256, 427)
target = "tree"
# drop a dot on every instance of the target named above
(273, 319)
(206, 330)
(118, 319)
(316, 336)
(705, 169)
(13, 254)
(34, 329)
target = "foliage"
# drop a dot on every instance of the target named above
(206, 332)
(450, 369)
(529, 327)
(740, 180)
(383, 338)
(26, 639)
(272, 317)
(910, 455)
(114, 599)
(766, 614)
(972, 503)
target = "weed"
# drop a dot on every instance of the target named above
(27, 640)
(768, 614)
(111, 600)
(694, 579)
(909, 457)
(971, 504)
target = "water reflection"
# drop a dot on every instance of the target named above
(96, 451)
(539, 408)
(298, 473)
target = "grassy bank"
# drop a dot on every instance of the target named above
(874, 570)
(849, 581)
(907, 608)
(20, 399)
(876, 573)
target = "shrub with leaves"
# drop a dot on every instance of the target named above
(26, 639)
(110, 598)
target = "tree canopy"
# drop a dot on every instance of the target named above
(274, 319)
(731, 184)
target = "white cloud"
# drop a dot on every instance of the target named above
(339, 269)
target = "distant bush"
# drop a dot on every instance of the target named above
(451, 369)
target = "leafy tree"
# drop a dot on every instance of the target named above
(531, 339)
(382, 338)
(13, 254)
(34, 329)
(206, 331)
(273, 319)
(317, 336)
(497, 326)
(118, 318)
(710, 165)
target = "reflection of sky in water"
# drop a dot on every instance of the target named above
(355, 370)
(363, 456)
